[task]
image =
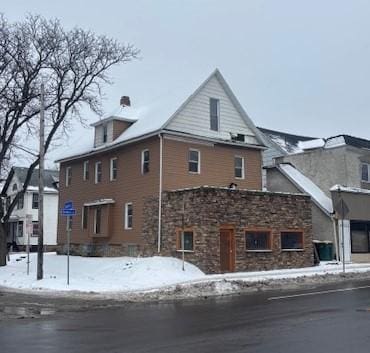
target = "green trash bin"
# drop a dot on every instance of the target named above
(325, 250)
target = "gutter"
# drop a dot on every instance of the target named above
(160, 191)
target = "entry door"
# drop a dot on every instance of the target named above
(227, 250)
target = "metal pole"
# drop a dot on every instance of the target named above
(40, 244)
(183, 234)
(68, 244)
(344, 260)
(28, 251)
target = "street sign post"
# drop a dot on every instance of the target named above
(68, 211)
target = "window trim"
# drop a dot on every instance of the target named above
(368, 172)
(85, 170)
(143, 161)
(243, 167)
(68, 176)
(96, 172)
(33, 229)
(126, 227)
(111, 169)
(84, 216)
(38, 203)
(18, 224)
(105, 133)
(20, 202)
(192, 161)
(178, 239)
(259, 230)
(218, 114)
(300, 231)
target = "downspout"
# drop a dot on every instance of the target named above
(336, 241)
(160, 191)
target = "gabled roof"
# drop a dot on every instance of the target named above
(307, 186)
(51, 178)
(155, 117)
(285, 142)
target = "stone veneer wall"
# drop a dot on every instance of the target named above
(207, 209)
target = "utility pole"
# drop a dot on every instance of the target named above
(40, 245)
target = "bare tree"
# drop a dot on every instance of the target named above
(73, 64)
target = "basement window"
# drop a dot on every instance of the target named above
(257, 240)
(188, 240)
(291, 240)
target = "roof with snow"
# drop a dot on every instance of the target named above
(308, 186)
(154, 117)
(341, 140)
(287, 143)
(350, 189)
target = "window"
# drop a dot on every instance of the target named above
(257, 240)
(15, 187)
(98, 172)
(188, 240)
(7, 202)
(145, 162)
(20, 202)
(35, 201)
(239, 167)
(113, 169)
(194, 161)
(360, 234)
(365, 172)
(105, 133)
(35, 229)
(291, 240)
(20, 229)
(68, 176)
(214, 108)
(128, 215)
(86, 170)
(85, 212)
(97, 220)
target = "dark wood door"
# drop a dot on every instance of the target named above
(227, 250)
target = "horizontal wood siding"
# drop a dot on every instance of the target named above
(130, 186)
(217, 166)
(194, 118)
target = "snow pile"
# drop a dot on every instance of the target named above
(308, 186)
(311, 144)
(89, 274)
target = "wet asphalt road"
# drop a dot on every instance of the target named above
(329, 322)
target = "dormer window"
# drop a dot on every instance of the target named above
(214, 109)
(105, 133)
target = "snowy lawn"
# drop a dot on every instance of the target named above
(127, 274)
(96, 274)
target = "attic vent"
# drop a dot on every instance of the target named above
(125, 101)
(238, 137)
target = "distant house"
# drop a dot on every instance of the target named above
(339, 166)
(126, 183)
(28, 205)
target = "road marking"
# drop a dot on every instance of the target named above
(318, 293)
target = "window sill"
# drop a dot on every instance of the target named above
(266, 250)
(290, 250)
(128, 229)
(185, 251)
(239, 178)
(194, 173)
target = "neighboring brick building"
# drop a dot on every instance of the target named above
(207, 140)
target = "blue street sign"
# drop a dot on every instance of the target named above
(68, 209)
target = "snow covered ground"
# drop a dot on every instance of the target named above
(127, 274)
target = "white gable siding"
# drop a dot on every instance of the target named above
(99, 133)
(194, 118)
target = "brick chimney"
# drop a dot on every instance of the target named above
(125, 101)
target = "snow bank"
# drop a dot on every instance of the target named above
(89, 274)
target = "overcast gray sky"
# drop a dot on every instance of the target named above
(297, 66)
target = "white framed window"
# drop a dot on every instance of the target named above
(97, 220)
(105, 133)
(145, 160)
(239, 172)
(98, 172)
(365, 172)
(68, 176)
(128, 215)
(113, 169)
(35, 229)
(194, 161)
(214, 112)
(86, 170)
(85, 212)
(35, 200)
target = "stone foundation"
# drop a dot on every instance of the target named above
(207, 209)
